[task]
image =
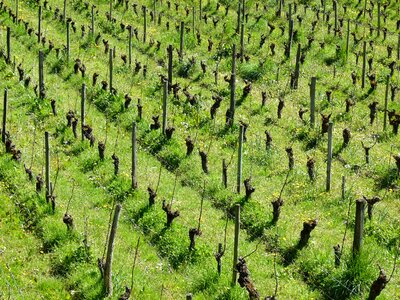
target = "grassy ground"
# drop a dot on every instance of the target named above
(165, 265)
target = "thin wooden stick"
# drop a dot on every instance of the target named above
(134, 261)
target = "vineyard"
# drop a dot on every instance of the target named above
(211, 149)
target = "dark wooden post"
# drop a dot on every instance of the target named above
(111, 7)
(242, 42)
(170, 52)
(111, 70)
(130, 47)
(144, 24)
(17, 11)
(41, 74)
(329, 158)
(343, 187)
(398, 47)
(336, 16)
(83, 99)
(165, 95)
(4, 127)
(8, 59)
(110, 251)
(92, 20)
(233, 87)
(359, 226)
(386, 102)
(47, 163)
(312, 101)
(134, 157)
(379, 17)
(238, 16)
(296, 75)
(236, 244)
(290, 39)
(364, 64)
(240, 160)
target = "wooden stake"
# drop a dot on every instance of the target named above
(200, 10)
(41, 74)
(165, 95)
(134, 157)
(144, 24)
(111, 2)
(154, 11)
(359, 226)
(312, 101)
(329, 159)
(386, 102)
(111, 70)
(181, 41)
(92, 20)
(364, 64)
(130, 47)
(233, 87)
(240, 160)
(193, 20)
(189, 296)
(398, 47)
(83, 98)
(47, 162)
(8, 59)
(336, 16)
(348, 39)
(4, 128)
(296, 75)
(224, 173)
(242, 42)
(110, 251)
(290, 38)
(238, 16)
(40, 24)
(236, 244)
(170, 52)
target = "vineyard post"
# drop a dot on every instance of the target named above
(8, 45)
(241, 42)
(379, 17)
(240, 160)
(83, 98)
(200, 10)
(224, 173)
(47, 161)
(41, 74)
(348, 39)
(364, 64)
(329, 159)
(130, 46)
(233, 87)
(144, 24)
(189, 296)
(323, 10)
(181, 41)
(289, 16)
(386, 102)
(297, 69)
(16, 10)
(359, 226)
(336, 16)
(39, 23)
(110, 252)
(170, 52)
(193, 19)
(164, 115)
(216, 74)
(238, 16)
(68, 41)
(312, 101)
(111, 70)
(236, 244)
(93, 20)
(134, 157)
(3, 129)
(343, 187)
(219, 266)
